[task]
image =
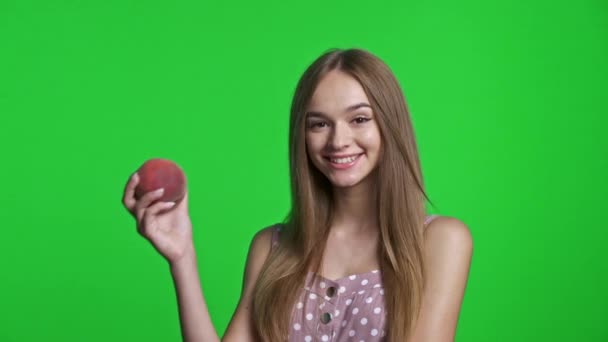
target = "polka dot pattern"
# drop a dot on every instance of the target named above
(350, 308)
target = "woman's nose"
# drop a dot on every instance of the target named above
(340, 137)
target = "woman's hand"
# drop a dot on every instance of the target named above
(167, 226)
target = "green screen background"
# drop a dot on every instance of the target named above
(508, 101)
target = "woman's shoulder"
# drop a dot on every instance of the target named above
(259, 250)
(265, 237)
(446, 230)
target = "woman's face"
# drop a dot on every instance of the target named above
(342, 136)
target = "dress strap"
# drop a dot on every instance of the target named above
(430, 218)
(276, 231)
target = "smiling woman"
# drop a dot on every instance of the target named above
(342, 139)
(358, 256)
(358, 205)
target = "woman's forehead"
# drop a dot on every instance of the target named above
(337, 93)
(348, 109)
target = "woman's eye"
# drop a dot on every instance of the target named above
(320, 124)
(361, 120)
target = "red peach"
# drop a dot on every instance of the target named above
(161, 173)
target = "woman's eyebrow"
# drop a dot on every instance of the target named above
(348, 109)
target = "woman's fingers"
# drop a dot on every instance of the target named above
(145, 201)
(148, 215)
(128, 199)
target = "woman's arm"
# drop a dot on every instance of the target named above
(194, 317)
(195, 321)
(449, 249)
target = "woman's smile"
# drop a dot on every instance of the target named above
(343, 162)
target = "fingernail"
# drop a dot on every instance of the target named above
(160, 191)
(170, 204)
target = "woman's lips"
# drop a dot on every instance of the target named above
(344, 165)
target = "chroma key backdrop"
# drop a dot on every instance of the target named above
(508, 100)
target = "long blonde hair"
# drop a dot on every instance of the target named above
(400, 204)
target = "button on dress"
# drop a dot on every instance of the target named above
(346, 309)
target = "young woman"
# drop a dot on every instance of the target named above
(357, 259)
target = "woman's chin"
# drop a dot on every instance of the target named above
(345, 183)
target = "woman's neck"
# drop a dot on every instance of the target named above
(355, 208)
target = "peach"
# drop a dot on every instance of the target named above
(161, 173)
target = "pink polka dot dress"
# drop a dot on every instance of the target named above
(346, 309)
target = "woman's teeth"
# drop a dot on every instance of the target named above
(344, 160)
